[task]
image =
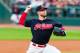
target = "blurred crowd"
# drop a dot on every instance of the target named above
(56, 8)
(52, 2)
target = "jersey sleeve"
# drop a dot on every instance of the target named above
(23, 21)
(22, 18)
(58, 24)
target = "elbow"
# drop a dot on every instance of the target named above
(20, 23)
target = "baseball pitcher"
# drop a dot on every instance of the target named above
(41, 29)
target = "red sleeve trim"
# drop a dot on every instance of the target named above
(22, 18)
(62, 28)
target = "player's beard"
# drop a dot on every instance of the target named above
(44, 16)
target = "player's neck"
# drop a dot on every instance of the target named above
(42, 18)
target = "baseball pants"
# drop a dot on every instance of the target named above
(47, 49)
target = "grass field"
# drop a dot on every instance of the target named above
(23, 33)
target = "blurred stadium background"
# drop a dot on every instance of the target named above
(65, 11)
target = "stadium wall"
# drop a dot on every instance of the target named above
(4, 14)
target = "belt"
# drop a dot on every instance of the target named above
(39, 45)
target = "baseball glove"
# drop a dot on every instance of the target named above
(58, 32)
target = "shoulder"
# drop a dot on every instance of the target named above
(48, 19)
(52, 20)
(34, 19)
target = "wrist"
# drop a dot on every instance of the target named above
(27, 9)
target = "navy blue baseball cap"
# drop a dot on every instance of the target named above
(41, 8)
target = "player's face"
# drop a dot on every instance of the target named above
(42, 13)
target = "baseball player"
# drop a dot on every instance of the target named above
(41, 29)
